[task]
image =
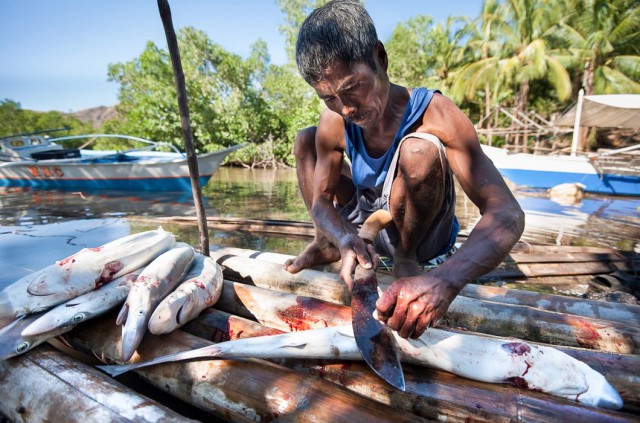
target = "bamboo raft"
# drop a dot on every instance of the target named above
(604, 335)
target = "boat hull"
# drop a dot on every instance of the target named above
(95, 173)
(544, 172)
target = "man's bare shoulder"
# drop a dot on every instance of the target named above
(330, 133)
(446, 121)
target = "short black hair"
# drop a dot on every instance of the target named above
(340, 31)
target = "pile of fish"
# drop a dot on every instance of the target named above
(164, 284)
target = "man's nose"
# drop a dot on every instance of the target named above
(348, 109)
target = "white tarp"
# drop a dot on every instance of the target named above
(606, 111)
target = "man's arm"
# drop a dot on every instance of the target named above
(413, 304)
(330, 146)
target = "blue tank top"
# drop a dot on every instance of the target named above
(367, 171)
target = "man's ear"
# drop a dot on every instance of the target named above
(380, 55)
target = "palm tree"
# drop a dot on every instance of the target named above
(603, 42)
(481, 54)
(604, 38)
(513, 52)
(528, 53)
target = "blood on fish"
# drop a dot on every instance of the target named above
(70, 259)
(295, 317)
(517, 382)
(587, 336)
(218, 335)
(302, 316)
(517, 348)
(109, 270)
(528, 367)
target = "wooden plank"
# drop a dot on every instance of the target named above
(47, 385)
(522, 252)
(520, 270)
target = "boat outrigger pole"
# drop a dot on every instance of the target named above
(174, 53)
(576, 127)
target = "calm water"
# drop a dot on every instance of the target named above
(38, 227)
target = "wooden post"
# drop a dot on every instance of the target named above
(192, 160)
(576, 127)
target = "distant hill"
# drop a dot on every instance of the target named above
(96, 115)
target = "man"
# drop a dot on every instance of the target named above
(403, 145)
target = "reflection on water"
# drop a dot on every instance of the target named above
(269, 194)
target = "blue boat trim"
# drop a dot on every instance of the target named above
(155, 184)
(608, 184)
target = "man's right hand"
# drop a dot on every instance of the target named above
(354, 251)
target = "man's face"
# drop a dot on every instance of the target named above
(358, 94)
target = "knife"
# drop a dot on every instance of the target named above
(374, 339)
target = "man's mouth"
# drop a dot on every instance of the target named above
(357, 119)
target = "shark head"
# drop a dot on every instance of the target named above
(133, 332)
(599, 393)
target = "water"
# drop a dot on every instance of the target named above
(39, 227)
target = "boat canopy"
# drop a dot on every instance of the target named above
(605, 111)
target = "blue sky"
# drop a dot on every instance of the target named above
(55, 53)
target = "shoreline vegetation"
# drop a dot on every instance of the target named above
(526, 57)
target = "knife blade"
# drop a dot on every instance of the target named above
(375, 340)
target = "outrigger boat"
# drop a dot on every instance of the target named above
(611, 172)
(31, 160)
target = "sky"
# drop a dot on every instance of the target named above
(54, 54)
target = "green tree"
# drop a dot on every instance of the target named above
(225, 103)
(15, 120)
(423, 54)
(604, 38)
(476, 78)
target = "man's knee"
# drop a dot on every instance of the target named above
(305, 142)
(420, 163)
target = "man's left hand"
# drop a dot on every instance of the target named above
(413, 304)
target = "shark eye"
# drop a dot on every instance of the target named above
(22, 347)
(77, 318)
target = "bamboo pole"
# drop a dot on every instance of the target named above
(235, 390)
(487, 317)
(469, 313)
(616, 312)
(429, 393)
(47, 385)
(517, 265)
(192, 160)
(515, 257)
